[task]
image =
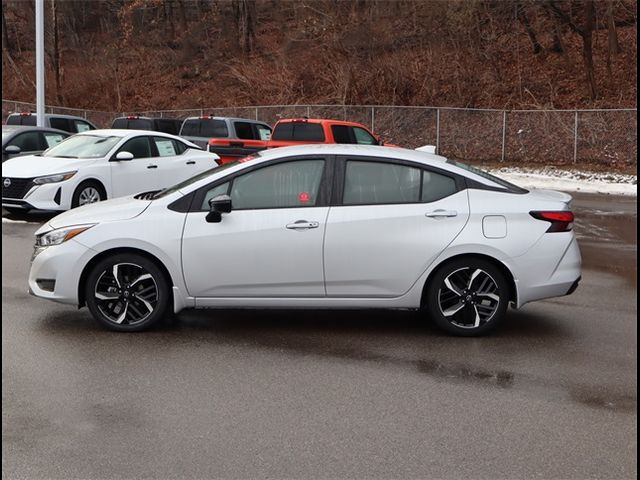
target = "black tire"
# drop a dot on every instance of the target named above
(465, 307)
(137, 300)
(92, 186)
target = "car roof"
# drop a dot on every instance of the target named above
(28, 128)
(322, 121)
(123, 133)
(232, 119)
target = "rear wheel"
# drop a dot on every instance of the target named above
(468, 297)
(127, 292)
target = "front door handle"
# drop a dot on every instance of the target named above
(302, 225)
(191, 162)
(441, 213)
(152, 166)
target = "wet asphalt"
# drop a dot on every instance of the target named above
(314, 394)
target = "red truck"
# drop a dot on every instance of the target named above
(295, 131)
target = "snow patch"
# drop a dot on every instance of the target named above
(570, 180)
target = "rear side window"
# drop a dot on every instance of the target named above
(81, 126)
(363, 137)
(61, 124)
(341, 134)
(299, 132)
(244, 130)
(205, 127)
(166, 146)
(264, 132)
(371, 183)
(436, 186)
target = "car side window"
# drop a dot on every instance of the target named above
(341, 134)
(284, 185)
(375, 183)
(166, 146)
(363, 137)
(81, 126)
(61, 124)
(436, 186)
(243, 130)
(213, 193)
(139, 147)
(28, 142)
(52, 139)
(264, 132)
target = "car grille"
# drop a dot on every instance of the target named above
(18, 187)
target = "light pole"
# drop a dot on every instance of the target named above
(40, 63)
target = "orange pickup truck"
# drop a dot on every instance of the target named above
(295, 131)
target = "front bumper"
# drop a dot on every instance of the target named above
(50, 196)
(62, 264)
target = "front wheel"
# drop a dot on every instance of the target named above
(468, 297)
(86, 193)
(127, 293)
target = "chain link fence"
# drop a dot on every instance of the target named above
(514, 137)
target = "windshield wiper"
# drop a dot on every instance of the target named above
(65, 156)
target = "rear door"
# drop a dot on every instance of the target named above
(174, 162)
(391, 221)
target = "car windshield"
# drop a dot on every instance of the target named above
(83, 146)
(197, 178)
(488, 176)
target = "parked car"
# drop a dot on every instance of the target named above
(68, 123)
(200, 130)
(296, 131)
(316, 226)
(93, 166)
(136, 122)
(18, 140)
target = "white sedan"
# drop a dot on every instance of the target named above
(99, 164)
(316, 226)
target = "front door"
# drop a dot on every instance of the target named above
(138, 175)
(270, 245)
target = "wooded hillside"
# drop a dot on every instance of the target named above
(151, 54)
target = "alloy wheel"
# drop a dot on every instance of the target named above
(469, 297)
(88, 195)
(126, 294)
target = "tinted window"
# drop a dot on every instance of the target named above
(190, 128)
(436, 186)
(22, 120)
(61, 124)
(369, 183)
(167, 126)
(139, 147)
(291, 184)
(341, 134)
(213, 128)
(363, 137)
(140, 124)
(244, 130)
(28, 142)
(299, 131)
(119, 123)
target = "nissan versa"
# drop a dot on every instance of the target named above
(316, 226)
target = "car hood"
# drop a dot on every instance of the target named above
(122, 208)
(30, 166)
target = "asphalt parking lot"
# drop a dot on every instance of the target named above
(248, 394)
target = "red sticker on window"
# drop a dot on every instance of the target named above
(304, 197)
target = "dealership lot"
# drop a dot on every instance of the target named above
(552, 393)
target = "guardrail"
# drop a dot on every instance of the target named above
(601, 137)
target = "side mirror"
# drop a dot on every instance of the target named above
(218, 205)
(123, 157)
(12, 149)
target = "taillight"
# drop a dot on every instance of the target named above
(560, 221)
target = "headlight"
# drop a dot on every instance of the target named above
(60, 235)
(58, 177)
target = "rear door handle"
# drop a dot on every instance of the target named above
(152, 166)
(302, 225)
(191, 162)
(441, 213)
